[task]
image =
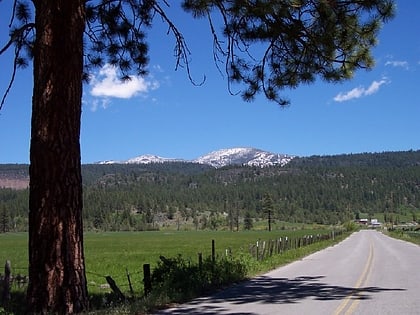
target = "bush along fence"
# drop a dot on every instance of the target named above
(179, 278)
(263, 249)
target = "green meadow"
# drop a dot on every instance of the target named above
(115, 253)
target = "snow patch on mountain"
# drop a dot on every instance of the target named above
(220, 158)
(150, 158)
(243, 156)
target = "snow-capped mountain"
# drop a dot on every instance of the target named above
(243, 156)
(144, 159)
(220, 158)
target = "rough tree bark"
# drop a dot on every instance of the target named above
(57, 281)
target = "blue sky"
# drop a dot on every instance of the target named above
(166, 115)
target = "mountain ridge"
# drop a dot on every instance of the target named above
(219, 158)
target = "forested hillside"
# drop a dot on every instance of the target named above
(322, 189)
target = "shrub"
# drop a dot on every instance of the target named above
(180, 279)
(350, 226)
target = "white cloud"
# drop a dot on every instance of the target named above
(395, 63)
(106, 84)
(374, 87)
(360, 91)
(158, 68)
(355, 93)
(102, 103)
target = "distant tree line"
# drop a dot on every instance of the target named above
(325, 190)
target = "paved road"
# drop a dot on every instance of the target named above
(368, 273)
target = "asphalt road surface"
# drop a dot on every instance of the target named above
(367, 273)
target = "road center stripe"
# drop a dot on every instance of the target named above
(361, 281)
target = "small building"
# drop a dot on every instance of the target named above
(375, 223)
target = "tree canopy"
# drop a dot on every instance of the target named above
(299, 40)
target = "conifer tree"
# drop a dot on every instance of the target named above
(268, 208)
(248, 221)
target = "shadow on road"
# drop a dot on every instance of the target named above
(276, 291)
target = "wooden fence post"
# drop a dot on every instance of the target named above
(115, 288)
(147, 280)
(200, 261)
(264, 249)
(6, 281)
(257, 250)
(129, 281)
(213, 252)
(279, 247)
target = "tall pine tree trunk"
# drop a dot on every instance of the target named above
(57, 281)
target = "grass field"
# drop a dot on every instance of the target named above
(114, 253)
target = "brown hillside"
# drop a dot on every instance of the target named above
(14, 183)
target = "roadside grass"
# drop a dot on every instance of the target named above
(409, 236)
(117, 254)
